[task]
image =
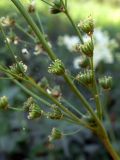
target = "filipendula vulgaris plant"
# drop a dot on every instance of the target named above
(93, 118)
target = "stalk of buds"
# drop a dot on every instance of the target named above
(106, 82)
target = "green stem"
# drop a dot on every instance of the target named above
(75, 27)
(101, 133)
(95, 92)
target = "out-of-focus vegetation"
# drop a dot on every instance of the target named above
(24, 140)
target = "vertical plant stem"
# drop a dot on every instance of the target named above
(75, 27)
(101, 133)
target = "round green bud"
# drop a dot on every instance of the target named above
(56, 67)
(85, 77)
(57, 7)
(87, 26)
(55, 134)
(87, 48)
(3, 102)
(106, 82)
(56, 113)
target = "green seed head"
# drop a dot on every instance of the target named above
(55, 134)
(85, 77)
(87, 48)
(87, 26)
(3, 102)
(56, 67)
(56, 113)
(106, 82)
(57, 7)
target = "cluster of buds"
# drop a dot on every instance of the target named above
(4, 102)
(87, 48)
(85, 77)
(31, 7)
(57, 7)
(34, 111)
(7, 21)
(106, 82)
(56, 113)
(56, 67)
(87, 26)
(55, 134)
(18, 69)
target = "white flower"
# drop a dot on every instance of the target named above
(25, 51)
(68, 41)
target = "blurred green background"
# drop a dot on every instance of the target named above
(21, 139)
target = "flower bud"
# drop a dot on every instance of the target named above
(34, 111)
(18, 69)
(28, 103)
(31, 7)
(57, 7)
(56, 113)
(106, 82)
(56, 92)
(87, 26)
(44, 83)
(56, 67)
(7, 21)
(85, 77)
(55, 134)
(3, 102)
(87, 48)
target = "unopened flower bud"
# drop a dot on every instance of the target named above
(56, 67)
(18, 68)
(28, 103)
(31, 7)
(87, 48)
(56, 113)
(85, 77)
(57, 7)
(87, 26)
(3, 102)
(35, 111)
(44, 83)
(55, 134)
(56, 92)
(106, 82)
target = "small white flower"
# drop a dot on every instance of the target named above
(25, 51)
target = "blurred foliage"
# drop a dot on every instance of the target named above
(21, 139)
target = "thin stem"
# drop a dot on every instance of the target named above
(24, 31)
(47, 3)
(16, 109)
(72, 133)
(71, 106)
(40, 23)
(7, 43)
(74, 26)
(95, 92)
(35, 28)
